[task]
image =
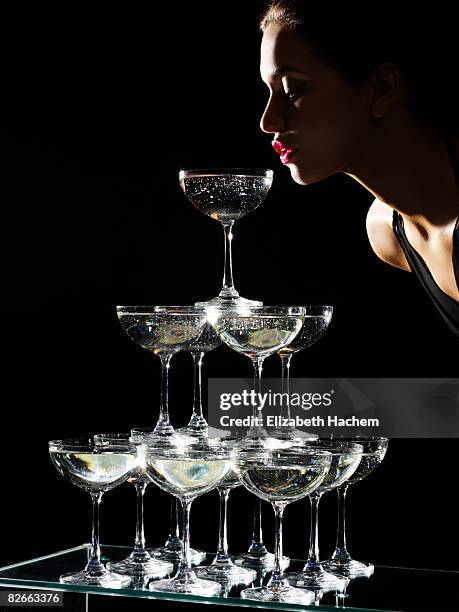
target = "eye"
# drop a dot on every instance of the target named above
(294, 94)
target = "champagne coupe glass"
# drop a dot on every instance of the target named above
(226, 195)
(257, 333)
(207, 341)
(374, 451)
(222, 568)
(187, 472)
(316, 322)
(139, 563)
(345, 460)
(172, 548)
(164, 333)
(94, 468)
(280, 477)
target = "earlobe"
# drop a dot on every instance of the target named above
(384, 83)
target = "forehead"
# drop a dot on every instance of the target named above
(285, 51)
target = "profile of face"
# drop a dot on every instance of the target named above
(312, 109)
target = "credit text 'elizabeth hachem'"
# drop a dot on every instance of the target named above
(278, 421)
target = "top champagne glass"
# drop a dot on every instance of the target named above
(226, 195)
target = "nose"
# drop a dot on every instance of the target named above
(272, 121)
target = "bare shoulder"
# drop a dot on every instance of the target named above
(381, 236)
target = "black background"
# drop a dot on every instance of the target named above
(102, 110)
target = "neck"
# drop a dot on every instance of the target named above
(408, 168)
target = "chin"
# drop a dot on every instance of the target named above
(301, 177)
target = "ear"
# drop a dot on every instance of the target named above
(384, 86)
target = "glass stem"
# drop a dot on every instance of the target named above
(341, 552)
(173, 543)
(94, 565)
(175, 518)
(222, 550)
(257, 547)
(197, 419)
(313, 562)
(139, 552)
(285, 363)
(185, 561)
(228, 289)
(257, 372)
(277, 575)
(163, 426)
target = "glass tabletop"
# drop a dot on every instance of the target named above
(390, 589)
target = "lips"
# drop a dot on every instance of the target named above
(286, 153)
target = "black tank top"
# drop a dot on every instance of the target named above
(446, 305)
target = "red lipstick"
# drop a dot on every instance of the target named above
(286, 153)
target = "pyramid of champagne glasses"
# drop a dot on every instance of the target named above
(280, 467)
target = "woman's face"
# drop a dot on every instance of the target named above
(312, 109)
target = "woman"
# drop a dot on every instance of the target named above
(371, 102)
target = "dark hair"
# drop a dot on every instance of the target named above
(355, 38)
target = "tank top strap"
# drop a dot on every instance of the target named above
(456, 251)
(399, 233)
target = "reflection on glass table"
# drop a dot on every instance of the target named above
(390, 589)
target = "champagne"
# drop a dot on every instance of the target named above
(225, 197)
(281, 478)
(138, 475)
(343, 465)
(94, 471)
(258, 335)
(187, 477)
(313, 328)
(281, 483)
(367, 465)
(161, 332)
(344, 462)
(231, 480)
(207, 341)
(139, 478)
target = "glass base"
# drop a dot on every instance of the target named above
(226, 571)
(259, 561)
(168, 440)
(262, 440)
(282, 594)
(196, 556)
(200, 432)
(235, 301)
(153, 568)
(290, 433)
(213, 433)
(104, 579)
(187, 584)
(317, 580)
(349, 568)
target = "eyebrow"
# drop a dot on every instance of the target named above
(280, 72)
